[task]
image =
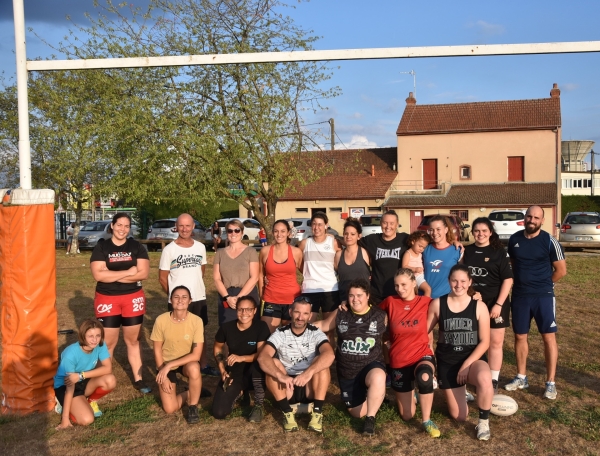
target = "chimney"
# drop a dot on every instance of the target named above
(555, 92)
(411, 100)
(372, 170)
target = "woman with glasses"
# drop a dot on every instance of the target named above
(277, 283)
(239, 371)
(235, 271)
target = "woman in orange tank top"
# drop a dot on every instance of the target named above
(277, 282)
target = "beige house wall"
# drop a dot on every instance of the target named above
(487, 153)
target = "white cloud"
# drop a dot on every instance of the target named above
(569, 86)
(359, 141)
(356, 115)
(487, 29)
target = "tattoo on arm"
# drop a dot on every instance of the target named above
(220, 357)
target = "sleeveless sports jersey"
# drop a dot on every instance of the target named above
(386, 258)
(359, 340)
(489, 267)
(319, 272)
(532, 262)
(437, 264)
(349, 272)
(408, 329)
(415, 262)
(297, 352)
(458, 333)
(282, 286)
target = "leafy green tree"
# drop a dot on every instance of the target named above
(223, 131)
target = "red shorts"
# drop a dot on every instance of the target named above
(129, 305)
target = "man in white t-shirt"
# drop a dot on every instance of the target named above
(183, 262)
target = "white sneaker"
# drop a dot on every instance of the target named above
(517, 383)
(483, 430)
(57, 406)
(470, 397)
(550, 392)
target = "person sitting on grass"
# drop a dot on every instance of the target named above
(296, 361)
(359, 356)
(178, 338)
(84, 375)
(239, 371)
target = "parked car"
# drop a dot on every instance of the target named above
(459, 227)
(580, 227)
(370, 224)
(166, 229)
(92, 232)
(304, 230)
(507, 222)
(251, 229)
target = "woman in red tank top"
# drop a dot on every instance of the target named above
(277, 283)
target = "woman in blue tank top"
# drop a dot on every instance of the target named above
(440, 256)
(464, 338)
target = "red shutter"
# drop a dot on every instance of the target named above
(430, 174)
(516, 169)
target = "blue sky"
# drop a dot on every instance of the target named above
(374, 92)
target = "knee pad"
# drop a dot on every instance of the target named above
(424, 386)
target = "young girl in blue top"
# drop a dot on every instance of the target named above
(84, 375)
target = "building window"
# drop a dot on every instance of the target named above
(301, 209)
(465, 172)
(335, 209)
(516, 169)
(463, 214)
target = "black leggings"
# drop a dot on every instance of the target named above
(223, 401)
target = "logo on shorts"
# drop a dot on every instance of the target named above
(103, 308)
(553, 325)
(345, 394)
(499, 320)
(458, 348)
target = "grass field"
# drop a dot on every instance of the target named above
(136, 425)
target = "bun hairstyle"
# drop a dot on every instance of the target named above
(354, 223)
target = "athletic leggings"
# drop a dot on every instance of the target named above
(223, 401)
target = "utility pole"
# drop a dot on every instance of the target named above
(332, 133)
(414, 75)
(592, 172)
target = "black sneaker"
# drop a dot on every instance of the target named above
(369, 426)
(141, 387)
(192, 416)
(205, 393)
(258, 412)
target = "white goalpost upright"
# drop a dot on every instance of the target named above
(29, 323)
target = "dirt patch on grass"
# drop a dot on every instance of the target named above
(136, 425)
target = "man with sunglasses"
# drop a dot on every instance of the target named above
(296, 360)
(183, 262)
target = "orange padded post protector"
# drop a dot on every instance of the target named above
(28, 301)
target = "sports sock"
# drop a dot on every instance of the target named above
(259, 390)
(495, 375)
(284, 405)
(484, 414)
(97, 394)
(522, 376)
(318, 407)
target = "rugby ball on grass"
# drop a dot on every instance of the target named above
(503, 405)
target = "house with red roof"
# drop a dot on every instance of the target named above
(471, 158)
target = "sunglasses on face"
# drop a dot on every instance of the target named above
(235, 230)
(303, 299)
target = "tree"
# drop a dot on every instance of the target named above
(229, 131)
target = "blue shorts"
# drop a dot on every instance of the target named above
(541, 308)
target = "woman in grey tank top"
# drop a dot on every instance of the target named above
(352, 262)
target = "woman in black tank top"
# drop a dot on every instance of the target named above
(352, 262)
(464, 338)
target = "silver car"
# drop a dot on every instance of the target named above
(92, 232)
(304, 230)
(166, 229)
(507, 222)
(580, 227)
(370, 224)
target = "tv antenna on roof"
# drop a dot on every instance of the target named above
(414, 75)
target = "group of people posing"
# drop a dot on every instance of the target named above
(380, 298)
